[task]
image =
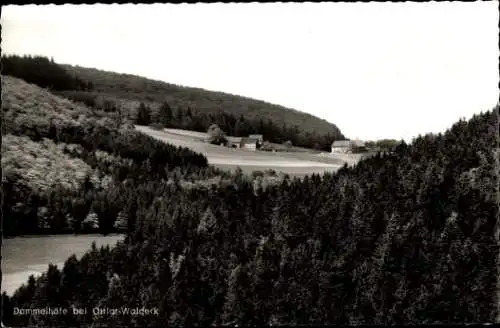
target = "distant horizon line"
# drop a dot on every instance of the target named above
(154, 79)
(191, 87)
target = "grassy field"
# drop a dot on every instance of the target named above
(293, 163)
(200, 136)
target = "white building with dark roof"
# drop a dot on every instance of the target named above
(347, 146)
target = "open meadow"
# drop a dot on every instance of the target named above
(293, 163)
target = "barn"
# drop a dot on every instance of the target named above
(234, 142)
(347, 146)
(249, 143)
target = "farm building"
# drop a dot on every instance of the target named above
(234, 142)
(347, 146)
(340, 146)
(249, 143)
(252, 142)
(260, 139)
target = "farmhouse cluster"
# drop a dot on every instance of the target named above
(255, 142)
(252, 142)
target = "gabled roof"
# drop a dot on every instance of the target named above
(341, 143)
(234, 139)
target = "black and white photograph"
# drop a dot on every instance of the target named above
(250, 164)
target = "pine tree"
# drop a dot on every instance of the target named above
(43, 218)
(237, 308)
(207, 222)
(91, 222)
(143, 115)
(121, 222)
(165, 115)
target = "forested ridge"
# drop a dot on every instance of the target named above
(120, 96)
(142, 89)
(407, 237)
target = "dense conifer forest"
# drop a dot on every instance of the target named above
(43, 72)
(407, 237)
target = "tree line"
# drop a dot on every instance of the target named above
(237, 126)
(406, 237)
(43, 72)
(188, 118)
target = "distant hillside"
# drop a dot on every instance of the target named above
(126, 86)
(124, 97)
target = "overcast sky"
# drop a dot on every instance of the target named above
(376, 70)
